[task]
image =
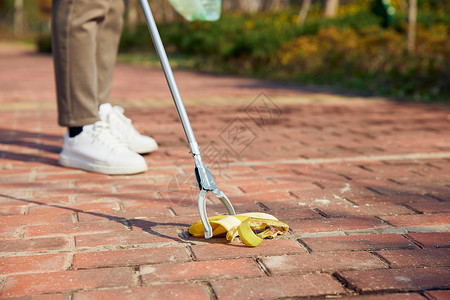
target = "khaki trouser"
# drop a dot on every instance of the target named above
(85, 38)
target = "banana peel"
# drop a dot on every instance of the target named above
(243, 225)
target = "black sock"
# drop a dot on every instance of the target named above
(74, 131)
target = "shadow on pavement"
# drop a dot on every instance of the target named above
(31, 140)
(146, 226)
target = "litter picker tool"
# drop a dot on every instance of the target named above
(203, 175)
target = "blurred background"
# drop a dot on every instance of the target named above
(396, 48)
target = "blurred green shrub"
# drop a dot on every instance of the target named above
(44, 43)
(350, 51)
(239, 37)
(349, 55)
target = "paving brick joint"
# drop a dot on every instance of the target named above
(364, 184)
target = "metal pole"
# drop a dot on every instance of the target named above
(169, 77)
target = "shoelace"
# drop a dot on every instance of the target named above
(102, 132)
(116, 115)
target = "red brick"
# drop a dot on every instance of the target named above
(73, 228)
(200, 270)
(235, 250)
(127, 238)
(104, 208)
(71, 175)
(294, 214)
(415, 279)
(298, 204)
(141, 201)
(12, 210)
(431, 239)
(248, 185)
(150, 197)
(34, 219)
(359, 242)
(183, 222)
(166, 292)
(431, 207)
(62, 178)
(440, 193)
(262, 197)
(315, 198)
(438, 295)
(26, 284)
(418, 220)
(128, 214)
(216, 209)
(9, 232)
(365, 210)
(277, 287)
(129, 257)
(32, 263)
(105, 180)
(13, 197)
(62, 192)
(49, 199)
(417, 257)
(268, 186)
(44, 297)
(402, 188)
(180, 198)
(335, 224)
(322, 262)
(36, 244)
(394, 296)
(398, 199)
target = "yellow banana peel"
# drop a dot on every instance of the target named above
(243, 225)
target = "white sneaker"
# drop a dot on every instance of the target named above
(96, 149)
(122, 126)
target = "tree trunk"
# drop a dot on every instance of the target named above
(412, 22)
(403, 5)
(303, 12)
(230, 5)
(250, 6)
(18, 17)
(331, 8)
(272, 5)
(132, 14)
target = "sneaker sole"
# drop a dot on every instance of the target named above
(76, 163)
(143, 150)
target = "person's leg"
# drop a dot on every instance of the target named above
(75, 26)
(107, 46)
(108, 37)
(90, 143)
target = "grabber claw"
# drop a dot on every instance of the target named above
(202, 209)
(206, 183)
(205, 180)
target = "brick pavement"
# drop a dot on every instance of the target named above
(363, 183)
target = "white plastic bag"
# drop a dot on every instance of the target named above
(203, 10)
